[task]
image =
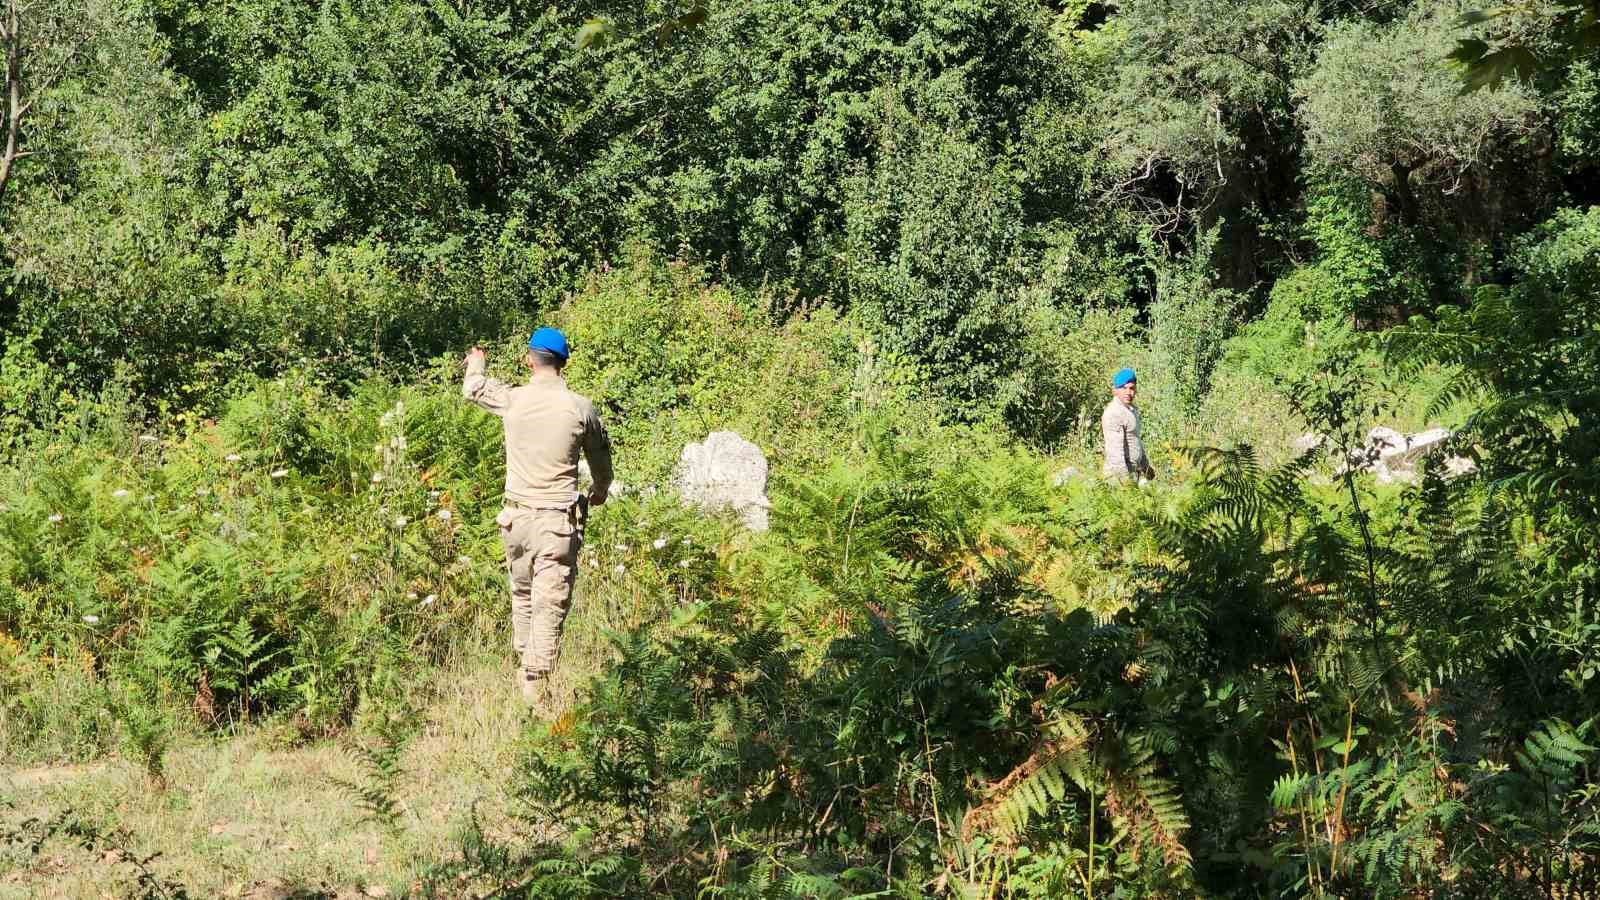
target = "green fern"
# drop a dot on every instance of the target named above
(377, 795)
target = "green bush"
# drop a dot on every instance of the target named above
(669, 358)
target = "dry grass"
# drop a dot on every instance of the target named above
(246, 818)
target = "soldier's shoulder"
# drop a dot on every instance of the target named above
(584, 404)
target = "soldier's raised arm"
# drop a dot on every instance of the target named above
(490, 393)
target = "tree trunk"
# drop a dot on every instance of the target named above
(1439, 290)
(11, 37)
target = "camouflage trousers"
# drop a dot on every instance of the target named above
(542, 557)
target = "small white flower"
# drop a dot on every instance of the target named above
(148, 439)
(216, 515)
(621, 548)
(399, 521)
(687, 542)
(233, 457)
(279, 473)
(149, 497)
(119, 493)
(433, 495)
(660, 543)
(91, 619)
(200, 492)
(55, 517)
(683, 564)
(355, 557)
(444, 515)
(428, 600)
(464, 560)
(377, 477)
(620, 568)
(411, 595)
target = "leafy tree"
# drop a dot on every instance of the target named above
(1376, 105)
(1196, 118)
(40, 42)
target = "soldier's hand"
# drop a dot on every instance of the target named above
(475, 354)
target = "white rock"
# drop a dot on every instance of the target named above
(1392, 456)
(725, 472)
(586, 478)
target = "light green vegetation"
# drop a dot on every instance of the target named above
(262, 815)
(252, 609)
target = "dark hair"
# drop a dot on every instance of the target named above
(547, 359)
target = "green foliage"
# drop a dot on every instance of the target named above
(378, 794)
(1523, 40)
(30, 394)
(147, 732)
(1422, 120)
(670, 358)
(1197, 91)
(1577, 131)
(1532, 345)
(200, 566)
(1190, 319)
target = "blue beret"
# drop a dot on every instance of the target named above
(1123, 377)
(549, 340)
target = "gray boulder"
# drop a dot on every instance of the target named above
(726, 472)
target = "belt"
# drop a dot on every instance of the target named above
(579, 500)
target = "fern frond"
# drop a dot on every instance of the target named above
(1149, 804)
